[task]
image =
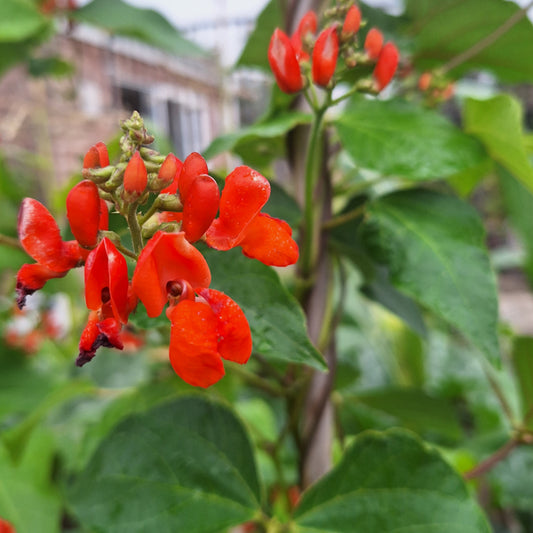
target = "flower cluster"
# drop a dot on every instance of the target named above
(169, 205)
(305, 57)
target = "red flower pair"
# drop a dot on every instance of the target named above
(207, 326)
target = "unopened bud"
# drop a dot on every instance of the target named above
(169, 202)
(135, 177)
(97, 175)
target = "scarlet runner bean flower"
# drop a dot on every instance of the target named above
(107, 296)
(96, 156)
(240, 222)
(39, 236)
(325, 55)
(386, 65)
(284, 63)
(206, 327)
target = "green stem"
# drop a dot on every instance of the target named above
(13, 242)
(135, 228)
(256, 381)
(151, 210)
(346, 217)
(312, 170)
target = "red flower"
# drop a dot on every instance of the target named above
(284, 63)
(240, 222)
(325, 55)
(204, 331)
(166, 258)
(352, 22)
(96, 156)
(135, 176)
(83, 213)
(39, 236)
(386, 65)
(307, 27)
(373, 43)
(108, 297)
(106, 282)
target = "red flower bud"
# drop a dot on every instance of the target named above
(283, 62)
(307, 26)
(135, 175)
(169, 172)
(97, 156)
(424, 81)
(386, 65)
(352, 22)
(373, 43)
(83, 212)
(325, 55)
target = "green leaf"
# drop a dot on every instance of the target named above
(522, 358)
(413, 408)
(390, 482)
(183, 466)
(402, 139)
(518, 201)
(20, 20)
(26, 499)
(434, 247)
(275, 317)
(271, 128)
(255, 50)
(497, 123)
(145, 25)
(442, 29)
(511, 479)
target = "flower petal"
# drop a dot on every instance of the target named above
(245, 193)
(193, 166)
(39, 235)
(106, 268)
(269, 240)
(193, 344)
(167, 257)
(233, 330)
(83, 212)
(200, 206)
(31, 278)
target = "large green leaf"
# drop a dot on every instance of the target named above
(275, 317)
(400, 138)
(497, 123)
(255, 50)
(183, 466)
(434, 247)
(413, 408)
(390, 482)
(20, 20)
(442, 29)
(146, 25)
